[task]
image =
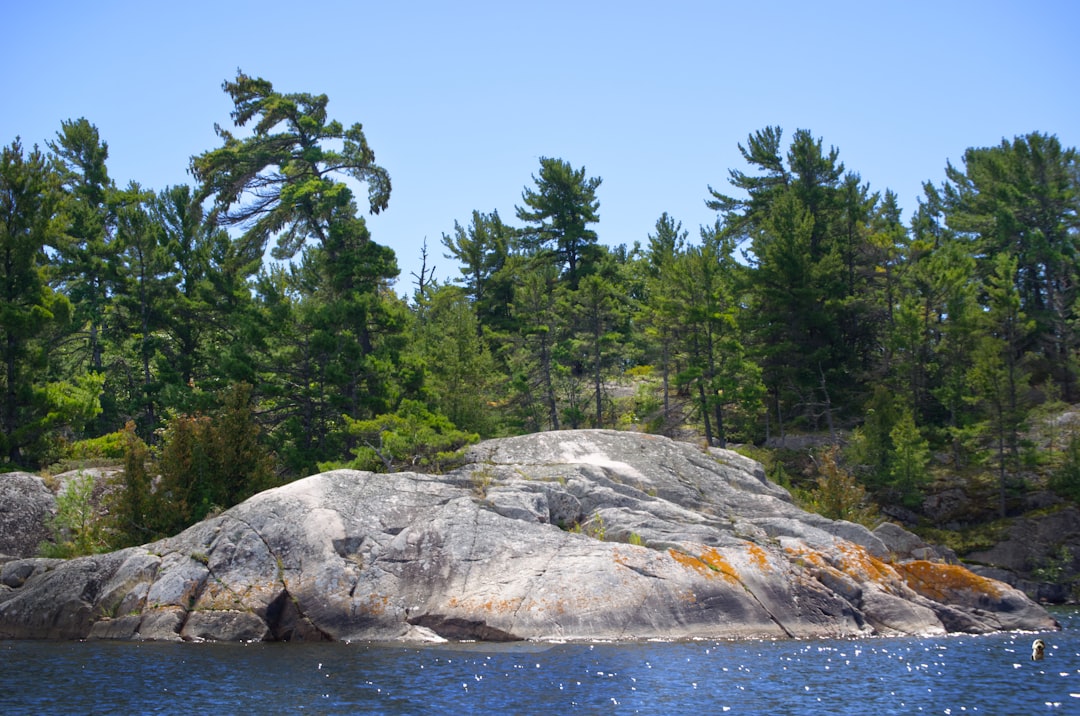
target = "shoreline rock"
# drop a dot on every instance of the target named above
(589, 534)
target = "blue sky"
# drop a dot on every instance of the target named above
(460, 100)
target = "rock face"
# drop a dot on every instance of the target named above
(1039, 555)
(25, 505)
(565, 535)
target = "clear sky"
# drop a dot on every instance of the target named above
(460, 100)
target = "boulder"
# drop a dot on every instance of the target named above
(567, 535)
(25, 506)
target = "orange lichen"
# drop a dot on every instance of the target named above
(687, 560)
(851, 560)
(501, 606)
(493, 606)
(376, 604)
(758, 557)
(710, 563)
(943, 582)
(716, 561)
(807, 556)
(857, 562)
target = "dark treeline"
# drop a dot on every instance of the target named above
(807, 306)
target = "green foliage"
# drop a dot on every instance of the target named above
(482, 251)
(557, 213)
(1057, 568)
(209, 463)
(205, 463)
(807, 306)
(909, 459)
(288, 168)
(837, 494)
(134, 513)
(872, 444)
(970, 539)
(461, 378)
(32, 314)
(1019, 201)
(109, 447)
(77, 528)
(1065, 480)
(412, 438)
(593, 527)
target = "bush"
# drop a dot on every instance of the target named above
(106, 447)
(837, 494)
(412, 438)
(205, 463)
(77, 530)
(1065, 480)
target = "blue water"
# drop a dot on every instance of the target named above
(953, 675)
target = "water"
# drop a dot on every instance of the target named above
(953, 675)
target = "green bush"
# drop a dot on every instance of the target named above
(108, 447)
(411, 438)
(1065, 480)
(76, 527)
(205, 463)
(837, 494)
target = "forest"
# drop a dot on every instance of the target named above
(244, 331)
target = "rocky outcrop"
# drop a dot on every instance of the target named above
(1040, 554)
(25, 507)
(565, 535)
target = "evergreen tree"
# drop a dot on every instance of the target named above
(280, 182)
(482, 250)
(599, 316)
(87, 256)
(460, 373)
(909, 460)
(660, 313)
(1022, 198)
(142, 292)
(805, 223)
(557, 215)
(997, 377)
(33, 408)
(532, 361)
(341, 332)
(186, 241)
(714, 364)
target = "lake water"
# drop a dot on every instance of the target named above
(953, 675)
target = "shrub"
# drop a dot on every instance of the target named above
(1065, 480)
(411, 438)
(837, 494)
(108, 447)
(206, 463)
(76, 527)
